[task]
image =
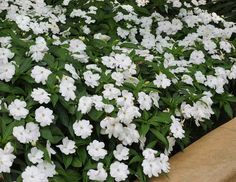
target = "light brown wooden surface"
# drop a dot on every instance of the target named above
(210, 159)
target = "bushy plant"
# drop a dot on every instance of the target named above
(102, 90)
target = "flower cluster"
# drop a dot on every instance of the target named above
(103, 90)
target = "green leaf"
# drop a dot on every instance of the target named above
(25, 66)
(62, 115)
(60, 53)
(160, 136)
(11, 90)
(76, 162)
(135, 159)
(72, 176)
(54, 138)
(161, 117)
(51, 82)
(54, 99)
(230, 98)
(82, 154)
(67, 160)
(58, 179)
(95, 115)
(228, 109)
(50, 60)
(144, 129)
(98, 43)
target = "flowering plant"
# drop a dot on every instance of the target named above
(101, 90)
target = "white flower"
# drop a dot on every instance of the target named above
(155, 98)
(119, 171)
(5, 41)
(44, 116)
(35, 155)
(171, 141)
(67, 88)
(122, 61)
(108, 108)
(48, 169)
(97, 175)
(101, 37)
(85, 104)
(49, 149)
(110, 92)
(39, 49)
(142, 2)
(7, 71)
(151, 167)
(82, 128)
(96, 150)
(23, 22)
(76, 46)
(28, 134)
(97, 101)
(200, 77)
(18, 109)
(5, 55)
(33, 174)
(121, 153)
(118, 77)
(149, 154)
(176, 128)
(40, 74)
(66, 2)
(145, 101)
(162, 81)
(40, 95)
(187, 79)
(70, 68)
(19, 133)
(32, 132)
(122, 32)
(128, 113)
(129, 135)
(226, 46)
(91, 79)
(197, 57)
(165, 166)
(93, 67)
(111, 127)
(67, 147)
(6, 158)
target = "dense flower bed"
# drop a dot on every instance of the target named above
(102, 89)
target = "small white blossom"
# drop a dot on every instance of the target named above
(121, 153)
(6, 158)
(44, 116)
(162, 81)
(176, 128)
(145, 101)
(35, 155)
(18, 109)
(67, 147)
(119, 171)
(40, 95)
(7, 71)
(96, 150)
(40, 74)
(82, 128)
(85, 104)
(91, 79)
(97, 175)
